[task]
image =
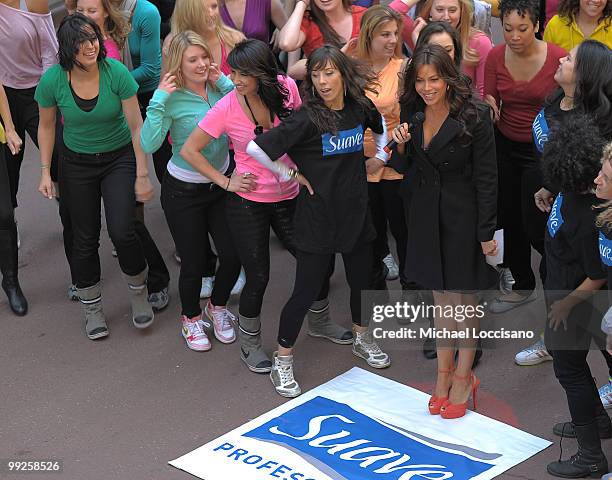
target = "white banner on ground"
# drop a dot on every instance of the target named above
(361, 426)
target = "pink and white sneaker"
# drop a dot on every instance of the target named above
(194, 334)
(223, 322)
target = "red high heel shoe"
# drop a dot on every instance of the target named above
(435, 403)
(457, 410)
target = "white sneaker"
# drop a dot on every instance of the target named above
(207, 287)
(393, 269)
(533, 355)
(239, 285)
(364, 346)
(223, 322)
(194, 334)
(282, 376)
(605, 393)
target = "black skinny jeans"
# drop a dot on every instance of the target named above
(569, 349)
(192, 211)
(24, 111)
(7, 221)
(519, 178)
(387, 207)
(250, 224)
(312, 270)
(85, 179)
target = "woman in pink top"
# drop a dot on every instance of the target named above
(112, 23)
(459, 13)
(29, 48)
(262, 199)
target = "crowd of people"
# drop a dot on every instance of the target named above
(331, 123)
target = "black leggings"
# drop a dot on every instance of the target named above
(519, 178)
(569, 349)
(250, 224)
(312, 270)
(84, 180)
(24, 111)
(192, 210)
(7, 220)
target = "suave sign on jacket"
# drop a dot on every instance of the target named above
(360, 426)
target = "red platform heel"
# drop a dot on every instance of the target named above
(457, 410)
(435, 403)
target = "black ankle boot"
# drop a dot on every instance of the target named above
(588, 462)
(604, 426)
(8, 267)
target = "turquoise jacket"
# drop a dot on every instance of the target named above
(179, 113)
(145, 47)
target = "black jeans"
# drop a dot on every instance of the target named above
(7, 220)
(387, 207)
(163, 154)
(24, 111)
(250, 224)
(519, 178)
(85, 179)
(192, 211)
(312, 270)
(569, 349)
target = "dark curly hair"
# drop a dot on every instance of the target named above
(572, 156)
(568, 10)
(530, 8)
(435, 28)
(74, 30)
(254, 58)
(356, 76)
(462, 105)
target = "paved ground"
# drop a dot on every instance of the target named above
(122, 407)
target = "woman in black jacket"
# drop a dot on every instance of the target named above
(450, 198)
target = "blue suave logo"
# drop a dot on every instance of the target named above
(539, 129)
(555, 219)
(605, 250)
(347, 445)
(346, 141)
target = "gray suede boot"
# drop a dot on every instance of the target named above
(320, 324)
(142, 313)
(251, 351)
(95, 323)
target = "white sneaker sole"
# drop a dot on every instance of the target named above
(98, 335)
(195, 348)
(284, 393)
(535, 361)
(373, 365)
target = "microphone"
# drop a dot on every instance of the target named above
(417, 119)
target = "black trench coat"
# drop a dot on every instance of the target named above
(450, 199)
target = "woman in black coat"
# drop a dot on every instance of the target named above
(450, 197)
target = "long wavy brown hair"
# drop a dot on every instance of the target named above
(317, 15)
(568, 10)
(356, 76)
(462, 105)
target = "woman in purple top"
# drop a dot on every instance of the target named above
(253, 17)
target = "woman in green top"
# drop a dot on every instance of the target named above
(102, 159)
(194, 205)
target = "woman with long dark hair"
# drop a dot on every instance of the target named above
(10, 143)
(262, 98)
(445, 35)
(325, 138)
(102, 160)
(193, 205)
(451, 201)
(580, 20)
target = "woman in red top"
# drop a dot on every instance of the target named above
(518, 78)
(333, 22)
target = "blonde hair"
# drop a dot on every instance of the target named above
(191, 15)
(178, 45)
(372, 21)
(116, 25)
(604, 219)
(465, 29)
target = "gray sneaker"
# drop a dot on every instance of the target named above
(392, 267)
(282, 376)
(499, 305)
(251, 350)
(159, 300)
(365, 347)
